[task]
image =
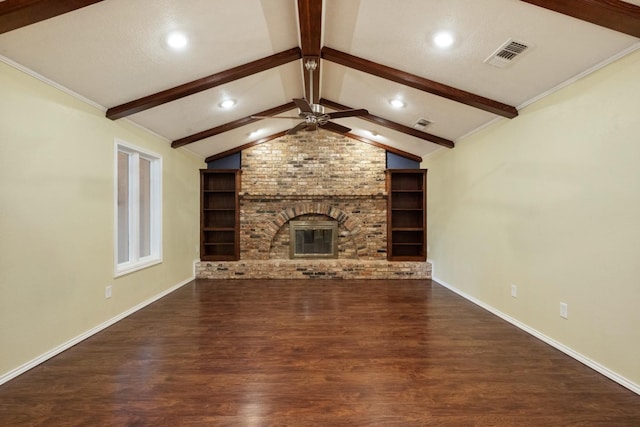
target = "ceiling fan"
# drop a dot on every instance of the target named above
(314, 115)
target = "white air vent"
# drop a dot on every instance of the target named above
(421, 124)
(506, 54)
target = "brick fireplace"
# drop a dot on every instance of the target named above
(305, 177)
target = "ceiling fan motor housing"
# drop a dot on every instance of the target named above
(317, 110)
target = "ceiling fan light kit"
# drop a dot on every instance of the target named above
(313, 115)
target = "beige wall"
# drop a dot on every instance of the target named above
(550, 202)
(56, 219)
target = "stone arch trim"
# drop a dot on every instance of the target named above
(351, 225)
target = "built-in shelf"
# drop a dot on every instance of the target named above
(220, 215)
(406, 214)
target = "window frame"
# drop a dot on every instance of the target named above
(136, 262)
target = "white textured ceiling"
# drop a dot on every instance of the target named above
(398, 34)
(113, 52)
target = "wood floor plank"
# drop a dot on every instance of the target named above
(314, 353)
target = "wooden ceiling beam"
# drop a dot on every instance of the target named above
(231, 125)
(310, 21)
(245, 146)
(419, 83)
(393, 125)
(16, 14)
(204, 83)
(613, 14)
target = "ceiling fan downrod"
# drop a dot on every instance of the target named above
(311, 65)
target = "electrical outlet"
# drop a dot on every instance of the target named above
(107, 292)
(564, 310)
(514, 291)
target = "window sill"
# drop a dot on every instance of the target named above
(124, 269)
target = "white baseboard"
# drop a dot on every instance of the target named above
(553, 343)
(65, 346)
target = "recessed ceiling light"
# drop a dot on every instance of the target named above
(373, 133)
(227, 103)
(397, 103)
(177, 40)
(443, 39)
(255, 133)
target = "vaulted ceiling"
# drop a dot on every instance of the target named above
(114, 54)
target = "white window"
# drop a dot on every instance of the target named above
(138, 208)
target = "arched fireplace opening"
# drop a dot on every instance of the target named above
(319, 244)
(265, 225)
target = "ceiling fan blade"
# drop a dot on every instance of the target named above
(297, 128)
(335, 127)
(275, 117)
(303, 105)
(348, 113)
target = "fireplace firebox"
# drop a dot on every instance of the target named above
(313, 239)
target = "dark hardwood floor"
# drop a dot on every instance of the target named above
(314, 353)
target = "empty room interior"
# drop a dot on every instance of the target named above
(320, 212)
